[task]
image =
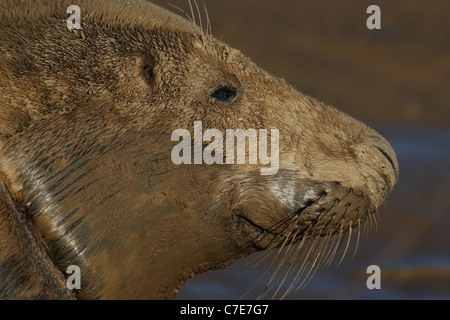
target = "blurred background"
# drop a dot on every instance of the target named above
(397, 80)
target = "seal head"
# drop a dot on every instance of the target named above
(85, 154)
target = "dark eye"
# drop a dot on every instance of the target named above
(224, 94)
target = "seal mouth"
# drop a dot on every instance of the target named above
(322, 221)
(329, 213)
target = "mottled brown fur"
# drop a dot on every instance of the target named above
(85, 153)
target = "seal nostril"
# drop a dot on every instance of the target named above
(382, 145)
(391, 161)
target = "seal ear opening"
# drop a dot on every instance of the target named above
(147, 71)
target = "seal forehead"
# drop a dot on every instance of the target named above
(214, 47)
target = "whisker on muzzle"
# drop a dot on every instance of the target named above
(307, 240)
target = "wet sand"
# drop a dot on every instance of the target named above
(396, 79)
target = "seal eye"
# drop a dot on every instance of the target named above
(147, 71)
(224, 94)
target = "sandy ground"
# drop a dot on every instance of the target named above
(397, 80)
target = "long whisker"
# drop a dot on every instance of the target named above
(305, 265)
(184, 12)
(274, 242)
(348, 242)
(311, 272)
(298, 249)
(192, 12)
(338, 243)
(287, 271)
(280, 264)
(357, 239)
(283, 259)
(375, 220)
(276, 272)
(266, 232)
(291, 265)
(369, 226)
(299, 262)
(208, 21)
(261, 256)
(267, 288)
(199, 16)
(267, 269)
(296, 215)
(293, 283)
(332, 241)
